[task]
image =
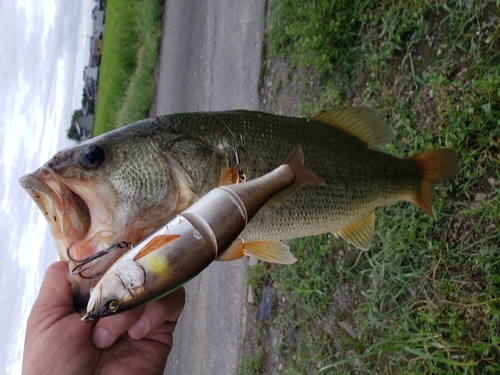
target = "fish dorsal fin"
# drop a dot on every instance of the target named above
(360, 234)
(235, 251)
(231, 177)
(362, 122)
(155, 244)
(272, 251)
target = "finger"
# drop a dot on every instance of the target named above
(107, 330)
(55, 291)
(166, 309)
(54, 302)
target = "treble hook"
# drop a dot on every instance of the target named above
(236, 148)
(83, 262)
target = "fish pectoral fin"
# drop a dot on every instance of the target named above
(155, 244)
(272, 251)
(231, 177)
(360, 234)
(362, 122)
(234, 251)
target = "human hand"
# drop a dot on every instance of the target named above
(134, 342)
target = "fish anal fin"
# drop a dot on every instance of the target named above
(434, 166)
(303, 175)
(364, 123)
(235, 251)
(231, 177)
(155, 244)
(360, 234)
(272, 251)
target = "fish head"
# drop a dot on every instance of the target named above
(113, 188)
(117, 287)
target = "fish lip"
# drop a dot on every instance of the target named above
(33, 185)
(51, 201)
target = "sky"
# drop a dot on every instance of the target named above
(45, 47)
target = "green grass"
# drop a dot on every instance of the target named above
(425, 298)
(129, 58)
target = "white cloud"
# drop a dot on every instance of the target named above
(5, 198)
(39, 73)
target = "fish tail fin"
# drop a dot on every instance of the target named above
(434, 166)
(303, 175)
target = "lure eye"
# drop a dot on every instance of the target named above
(92, 156)
(113, 305)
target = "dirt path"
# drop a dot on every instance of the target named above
(210, 60)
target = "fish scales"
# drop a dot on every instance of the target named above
(358, 178)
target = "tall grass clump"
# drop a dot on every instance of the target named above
(129, 57)
(319, 33)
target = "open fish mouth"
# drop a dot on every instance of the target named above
(66, 212)
(80, 229)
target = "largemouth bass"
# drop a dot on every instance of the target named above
(122, 185)
(206, 231)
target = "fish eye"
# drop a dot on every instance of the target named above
(113, 305)
(92, 157)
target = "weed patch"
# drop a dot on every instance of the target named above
(424, 299)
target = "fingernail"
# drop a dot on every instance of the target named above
(138, 330)
(102, 338)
